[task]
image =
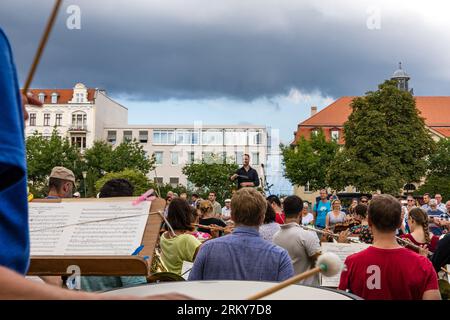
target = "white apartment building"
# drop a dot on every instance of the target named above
(85, 115)
(175, 146)
(80, 114)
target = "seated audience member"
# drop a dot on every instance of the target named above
(269, 226)
(303, 246)
(243, 255)
(181, 246)
(386, 270)
(275, 202)
(207, 217)
(307, 217)
(111, 189)
(336, 215)
(420, 234)
(363, 229)
(434, 214)
(226, 211)
(61, 183)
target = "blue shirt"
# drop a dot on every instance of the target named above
(14, 239)
(242, 255)
(322, 209)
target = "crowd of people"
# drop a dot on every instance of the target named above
(250, 238)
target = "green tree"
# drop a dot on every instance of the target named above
(438, 178)
(101, 159)
(212, 175)
(45, 153)
(136, 178)
(309, 160)
(386, 143)
(131, 155)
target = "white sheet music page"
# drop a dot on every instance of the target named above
(343, 250)
(76, 228)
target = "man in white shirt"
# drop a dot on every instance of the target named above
(440, 205)
(303, 246)
(226, 211)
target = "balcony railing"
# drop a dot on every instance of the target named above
(78, 128)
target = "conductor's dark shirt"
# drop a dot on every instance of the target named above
(247, 176)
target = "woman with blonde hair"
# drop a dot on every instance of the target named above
(336, 215)
(207, 217)
(420, 234)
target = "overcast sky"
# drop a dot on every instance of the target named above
(233, 61)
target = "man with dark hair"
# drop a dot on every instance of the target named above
(216, 205)
(243, 255)
(426, 200)
(116, 188)
(246, 176)
(386, 270)
(303, 246)
(275, 202)
(61, 183)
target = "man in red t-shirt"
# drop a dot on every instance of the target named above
(387, 271)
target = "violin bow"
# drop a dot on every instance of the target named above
(42, 43)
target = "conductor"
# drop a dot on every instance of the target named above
(246, 176)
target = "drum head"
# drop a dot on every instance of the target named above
(233, 290)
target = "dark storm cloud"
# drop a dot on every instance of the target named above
(148, 51)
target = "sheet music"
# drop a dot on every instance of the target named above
(112, 237)
(186, 269)
(343, 250)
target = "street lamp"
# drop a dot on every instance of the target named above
(84, 173)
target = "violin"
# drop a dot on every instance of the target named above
(339, 227)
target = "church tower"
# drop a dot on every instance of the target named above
(402, 79)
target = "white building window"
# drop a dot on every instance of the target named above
(190, 157)
(174, 158)
(307, 189)
(79, 142)
(163, 137)
(158, 157)
(159, 181)
(239, 155)
(112, 137)
(254, 137)
(255, 158)
(58, 119)
(174, 181)
(32, 119)
(187, 137)
(127, 136)
(41, 97)
(46, 119)
(235, 138)
(335, 135)
(212, 137)
(143, 136)
(79, 120)
(54, 97)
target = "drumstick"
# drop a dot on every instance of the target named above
(329, 264)
(42, 43)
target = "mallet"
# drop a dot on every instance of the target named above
(328, 264)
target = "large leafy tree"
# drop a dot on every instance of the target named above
(44, 153)
(139, 180)
(386, 143)
(212, 175)
(438, 178)
(309, 160)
